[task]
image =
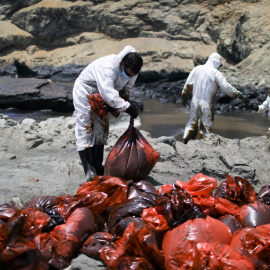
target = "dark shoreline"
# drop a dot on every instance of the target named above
(46, 89)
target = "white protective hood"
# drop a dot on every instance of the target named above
(122, 54)
(214, 60)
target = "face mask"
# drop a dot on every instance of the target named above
(123, 74)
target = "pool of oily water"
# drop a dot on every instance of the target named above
(169, 119)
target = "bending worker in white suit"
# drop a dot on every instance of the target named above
(204, 82)
(107, 75)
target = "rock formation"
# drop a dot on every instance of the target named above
(56, 38)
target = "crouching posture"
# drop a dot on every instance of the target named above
(204, 82)
(107, 75)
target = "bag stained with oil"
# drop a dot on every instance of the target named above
(132, 157)
(132, 225)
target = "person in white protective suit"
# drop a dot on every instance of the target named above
(204, 82)
(107, 75)
(265, 107)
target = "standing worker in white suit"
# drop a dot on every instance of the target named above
(204, 82)
(265, 107)
(107, 75)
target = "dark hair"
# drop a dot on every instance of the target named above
(133, 61)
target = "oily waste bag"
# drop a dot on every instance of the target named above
(132, 157)
(99, 107)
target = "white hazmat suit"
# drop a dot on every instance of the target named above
(204, 82)
(101, 76)
(265, 106)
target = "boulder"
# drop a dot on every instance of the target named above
(34, 94)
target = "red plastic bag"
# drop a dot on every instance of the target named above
(201, 188)
(103, 192)
(16, 235)
(215, 206)
(132, 263)
(99, 107)
(132, 157)
(95, 242)
(210, 256)
(96, 195)
(232, 222)
(199, 184)
(238, 190)
(156, 217)
(7, 211)
(199, 230)
(136, 241)
(255, 244)
(254, 214)
(61, 245)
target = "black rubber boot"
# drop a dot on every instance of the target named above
(98, 152)
(86, 157)
(186, 141)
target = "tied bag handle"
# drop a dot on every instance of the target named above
(131, 122)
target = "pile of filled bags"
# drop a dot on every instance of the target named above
(131, 225)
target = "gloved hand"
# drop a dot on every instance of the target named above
(244, 98)
(133, 111)
(109, 109)
(123, 94)
(184, 101)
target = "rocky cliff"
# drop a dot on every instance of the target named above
(56, 38)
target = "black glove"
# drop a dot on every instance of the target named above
(132, 111)
(109, 109)
(185, 101)
(244, 98)
(124, 95)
